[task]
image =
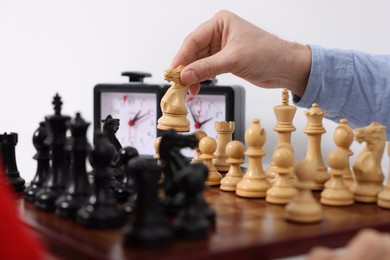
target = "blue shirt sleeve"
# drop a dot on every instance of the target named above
(349, 84)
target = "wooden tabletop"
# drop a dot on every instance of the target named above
(244, 228)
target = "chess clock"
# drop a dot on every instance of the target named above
(136, 105)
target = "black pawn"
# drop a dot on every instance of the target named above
(43, 161)
(191, 222)
(55, 181)
(209, 212)
(172, 161)
(7, 152)
(126, 183)
(100, 210)
(77, 188)
(147, 227)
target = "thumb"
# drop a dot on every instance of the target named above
(204, 69)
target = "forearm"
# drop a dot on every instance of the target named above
(349, 84)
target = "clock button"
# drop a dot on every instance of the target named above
(136, 76)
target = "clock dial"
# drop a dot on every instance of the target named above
(137, 113)
(203, 112)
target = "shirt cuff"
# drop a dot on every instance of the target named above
(329, 81)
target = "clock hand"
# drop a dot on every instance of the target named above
(137, 117)
(204, 121)
(193, 115)
(197, 123)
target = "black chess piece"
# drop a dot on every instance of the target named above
(100, 210)
(43, 161)
(55, 181)
(191, 222)
(207, 210)
(125, 187)
(147, 227)
(110, 127)
(7, 152)
(172, 161)
(77, 188)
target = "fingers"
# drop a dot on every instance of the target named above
(194, 89)
(197, 43)
(321, 253)
(368, 245)
(206, 68)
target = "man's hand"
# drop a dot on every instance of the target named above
(368, 244)
(227, 43)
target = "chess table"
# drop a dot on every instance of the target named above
(245, 229)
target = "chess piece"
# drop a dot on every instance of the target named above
(336, 193)
(43, 161)
(224, 135)
(77, 188)
(7, 152)
(282, 190)
(147, 228)
(199, 135)
(303, 208)
(284, 116)
(343, 138)
(126, 187)
(314, 130)
(110, 127)
(55, 181)
(234, 151)
(191, 222)
(207, 146)
(100, 210)
(384, 196)
(254, 184)
(129, 186)
(368, 175)
(156, 156)
(156, 146)
(172, 161)
(173, 104)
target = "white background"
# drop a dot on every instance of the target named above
(69, 46)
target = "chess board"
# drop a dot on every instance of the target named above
(245, 228)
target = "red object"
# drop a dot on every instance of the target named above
(16, 240)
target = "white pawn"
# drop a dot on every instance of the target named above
(207, 146)
(384, 195)
(343, 138)
(156, 156)
(199, 135)
(303, 208)
(282, 190)
(235, 151)
(254, 184)
(156, 146)
(336, 193)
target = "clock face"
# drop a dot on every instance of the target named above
(137, 113)
(203, 112)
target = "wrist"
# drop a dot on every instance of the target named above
(297, 65)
